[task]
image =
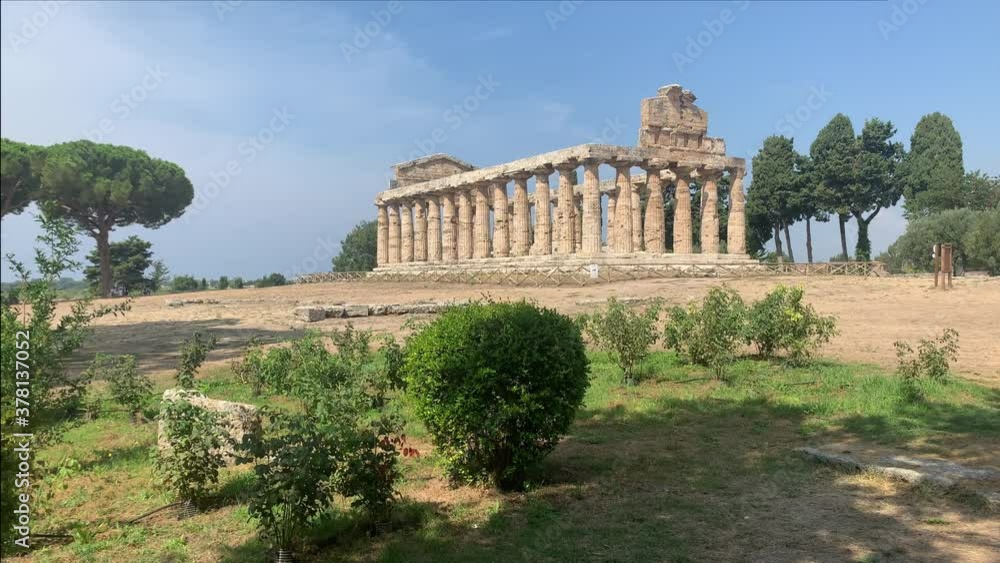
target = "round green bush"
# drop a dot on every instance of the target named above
(496, 384)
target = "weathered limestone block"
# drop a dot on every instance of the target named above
(334, 311)
(310, 314)
(238, 419)
(355, 310)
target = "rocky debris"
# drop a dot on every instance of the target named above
(238, 419)
(942, 473)
(312, 313)
(183, 302)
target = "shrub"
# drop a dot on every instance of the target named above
(353, 346)
(194, 438)
(709, 334)
(184, 283)
(624, 333)
(248, 368)
(128, 387)
(496, 384)
(932, 358)
(272, 280)
(781, 322)
(193, 354)
(295, 461)
(982, 242)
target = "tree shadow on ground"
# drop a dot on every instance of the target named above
(702, 479)
(156, 345)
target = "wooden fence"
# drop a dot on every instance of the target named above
(581, 276)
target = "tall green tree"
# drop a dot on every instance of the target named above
(159, 274)
(808, 199)
(100, 187)
(772, 192)
(981, 191)
(834, 154)
(358, 249)
(20, 164)
(130, 259)
(876, 184)
(933, 170)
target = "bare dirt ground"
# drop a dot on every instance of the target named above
(872, 313)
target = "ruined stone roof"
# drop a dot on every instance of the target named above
(432, 158)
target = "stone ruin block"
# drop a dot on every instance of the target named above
(238, 419)
(310, 314)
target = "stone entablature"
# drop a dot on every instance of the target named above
(441, 209)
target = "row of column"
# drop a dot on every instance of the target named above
(456, 226)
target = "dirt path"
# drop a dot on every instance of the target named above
(873, 313)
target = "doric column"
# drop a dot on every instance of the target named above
(464, 224)
(682, 213)
(433, 229)
(521, 234)
(624, 242)
(654, 236)
(612, 204)
(710, 211)
(543, 214)
(394, 234)
(419, 231)
(481, 231)
(591, 208)
(382, 252)
(501, 227)
(636, 219)
(578, 227)
(736, 227)
(567, 211)
(449, 228)
(406, 225)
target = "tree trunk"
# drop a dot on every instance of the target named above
(104, 251)
(843, 234)
(777, 243)
(863, 249)
(788, 244)
(809, 240)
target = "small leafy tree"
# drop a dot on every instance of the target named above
(496, 384)
(624, 333)
(295, 461)
(130, 259)
(128, 387)
(782, 322)
(932, 359)
(203, 284)
(158, 275)
(191, 460)
(358, 249)
(709, 334)
(184, 283)
(193, 354)
(223, 282)
(237, 283)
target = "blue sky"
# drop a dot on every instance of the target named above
(287, 116)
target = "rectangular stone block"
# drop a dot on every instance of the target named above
(355, 310)
(310, 314)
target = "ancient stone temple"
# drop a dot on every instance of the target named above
(441, 212)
